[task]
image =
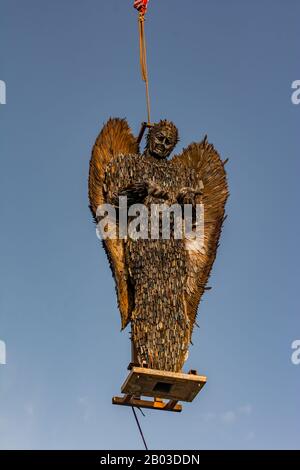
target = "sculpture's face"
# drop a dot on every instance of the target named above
(161, 141)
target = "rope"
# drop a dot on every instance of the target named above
(139, 426)
(143, 61)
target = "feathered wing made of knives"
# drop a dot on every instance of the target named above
(159, 282)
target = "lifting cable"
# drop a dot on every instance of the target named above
(139, 426)
(141, 6)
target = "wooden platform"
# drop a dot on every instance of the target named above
(159, 385)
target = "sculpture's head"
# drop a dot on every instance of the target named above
(161, 139)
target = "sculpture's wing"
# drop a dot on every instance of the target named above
(211, 177)
(115, 139)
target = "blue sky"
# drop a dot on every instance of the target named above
(223, 68)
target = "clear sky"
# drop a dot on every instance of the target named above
(223, 68)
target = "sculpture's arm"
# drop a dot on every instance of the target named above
(137, 192)
(188, 195)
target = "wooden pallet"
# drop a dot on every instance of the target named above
(160, 385)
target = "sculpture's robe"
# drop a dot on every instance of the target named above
(157, 268)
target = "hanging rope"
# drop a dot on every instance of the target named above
(139, 426)
(141, 6)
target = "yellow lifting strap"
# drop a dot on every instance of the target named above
(143, 61)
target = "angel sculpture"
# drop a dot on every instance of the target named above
(159, 282)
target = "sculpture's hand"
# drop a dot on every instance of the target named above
(188, 195)
(135, 193)
(156, 191)
(138, 191)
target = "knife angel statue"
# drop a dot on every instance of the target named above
(159, 281)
